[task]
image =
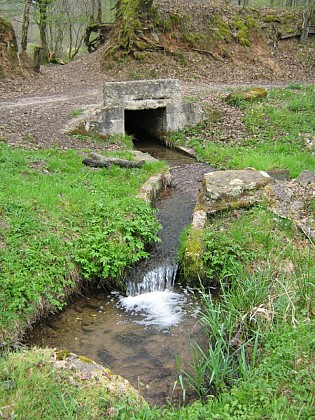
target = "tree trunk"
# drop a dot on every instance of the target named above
(43, 6)
(99, 12)
(37, 59)
(127, 18)
(25, 24)
(307, 16)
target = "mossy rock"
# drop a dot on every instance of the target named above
(192, 264)
(62, 354)
(271, 19)
(251, 95)
(5, 25)
(85, 359)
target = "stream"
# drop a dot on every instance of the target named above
(139, 336)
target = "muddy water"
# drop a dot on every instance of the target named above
(138, 336)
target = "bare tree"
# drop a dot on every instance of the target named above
(25, 24)
(307, 20)
(99, 12)
(42, 7)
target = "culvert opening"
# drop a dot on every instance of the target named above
(143, 122)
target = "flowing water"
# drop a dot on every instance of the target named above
(139, 335)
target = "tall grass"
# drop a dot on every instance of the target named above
(264, 298)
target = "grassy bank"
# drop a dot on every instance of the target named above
(259, 363)
(260, 360)
(280, 134)
(61, 223)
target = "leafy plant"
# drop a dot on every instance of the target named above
(109, 246)
(76, 113)
(60, 221)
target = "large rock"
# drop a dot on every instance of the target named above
(253, 94)
(306, 178)
(224, 190)
(231, 189)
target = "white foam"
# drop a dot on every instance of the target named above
(161, 309)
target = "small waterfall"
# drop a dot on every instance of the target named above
(159, 279)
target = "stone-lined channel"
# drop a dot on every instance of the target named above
(139, 336)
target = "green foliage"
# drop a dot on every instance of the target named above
(223, 257)
(281, 385)
(76, 113)
(295, 86)
(109, 245)
(231, 243)
(260, 328)
(242, 27)
(61, 220)
(219, 29)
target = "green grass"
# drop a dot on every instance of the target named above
(278, 129)
(61, 222)
(31, 388)
(259, 360)
(281, 386)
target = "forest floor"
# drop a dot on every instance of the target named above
(35, 109)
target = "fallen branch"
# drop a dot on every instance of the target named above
(99, 161)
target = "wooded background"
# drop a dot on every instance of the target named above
(59, 26)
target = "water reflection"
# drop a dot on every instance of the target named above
(137, 337)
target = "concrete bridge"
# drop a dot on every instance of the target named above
(154, 107)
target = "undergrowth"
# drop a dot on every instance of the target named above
(61, 222)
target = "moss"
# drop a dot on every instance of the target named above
(85, 359)
(192, 263)
(5, 25)
(242, 27)
(271, 18)
(253, 94)
(167, 24)
(220, 30)
(62, 354)
(192, 38)
(140, 45)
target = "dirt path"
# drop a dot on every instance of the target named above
(35, 111)
(40, 121)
